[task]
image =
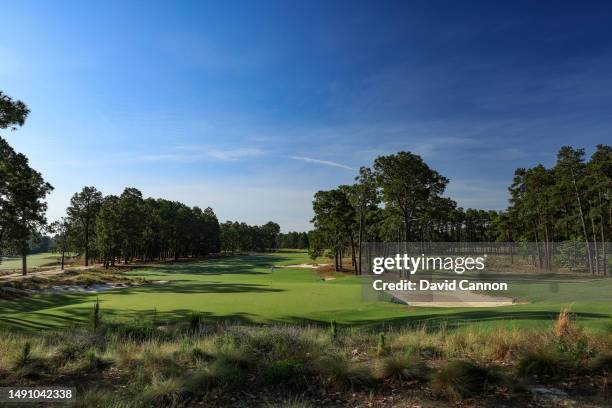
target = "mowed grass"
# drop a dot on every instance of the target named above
(247, 289)
(34, 261)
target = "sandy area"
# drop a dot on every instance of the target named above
(449, 299)
(46, 272)
(309, 266)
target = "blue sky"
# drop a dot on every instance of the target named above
(251, 107)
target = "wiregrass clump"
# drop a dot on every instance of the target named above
(403, 366)
(462, 378)
(544, 363)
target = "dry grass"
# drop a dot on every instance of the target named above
(180, 365)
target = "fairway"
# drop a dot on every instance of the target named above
(34, 261)
(246, 289)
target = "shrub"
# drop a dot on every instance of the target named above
(25, 355)
(70, 352)
(340, 373)
(157, 364)
(462, 378)
(92, 362)
(198, 382)
(275, 344)
(163, 393)
(284, 371)
(26, 365)
(543, 362)
(403, 366)
(200, 355)
(227, 371)
(570, 337)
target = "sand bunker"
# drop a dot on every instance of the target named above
(449, 299)
(309, 266)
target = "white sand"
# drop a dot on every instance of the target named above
(449, 299)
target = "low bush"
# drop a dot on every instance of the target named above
(227, 371)
(338, 372)
(545, 362)
(403, 366)
(287, 372)
(163, 393)
(462, 378)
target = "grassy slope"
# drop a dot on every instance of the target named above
(243, 289)
(34, 260)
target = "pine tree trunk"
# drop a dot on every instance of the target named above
(24, 263)
(595, 246)
(584, 230)
(336, 260)
(360, 240)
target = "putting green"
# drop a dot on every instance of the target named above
(246, 289)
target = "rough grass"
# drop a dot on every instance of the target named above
(170, 364)
(464, 378)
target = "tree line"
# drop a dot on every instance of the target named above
(294, 240)
(127, 228)
(401, 198)
(240, 237)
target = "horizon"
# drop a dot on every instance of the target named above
(186, 110)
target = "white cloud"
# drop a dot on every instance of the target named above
(324, 162)
(198, 153)
(234, 154)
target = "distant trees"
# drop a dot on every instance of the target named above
(293, 240)
(240, 237)
(62, 238)
(82, 212)
(333, 221)
(22, 189)
(129, 227)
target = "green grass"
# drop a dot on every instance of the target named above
(34, 261)
(246, 290)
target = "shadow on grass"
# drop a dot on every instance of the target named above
(239, 265)
(436, 321)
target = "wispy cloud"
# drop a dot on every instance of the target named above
(234, 154)
(199, 153)
(324, 162)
